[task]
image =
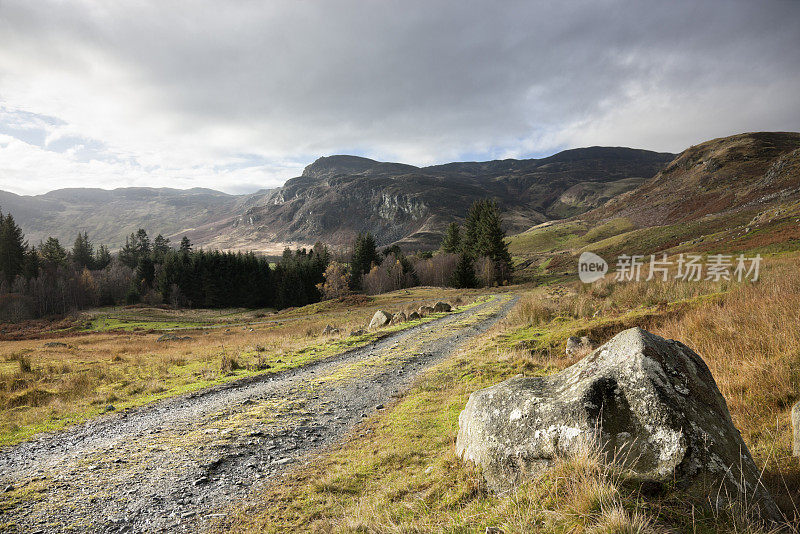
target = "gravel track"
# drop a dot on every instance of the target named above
(167, 467)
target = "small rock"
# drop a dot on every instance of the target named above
(440, 307)
(379, 407)
(398, 318)
(330, 330)
(283, 461)
(55, 344)
(425, 310)
(8, 488)
(110, 408)
(359, 332)
(381, 318)
(200, 481)
(172, 337)
(578, 347)
(413, 316)
(494, 530)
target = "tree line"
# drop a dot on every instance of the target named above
(472, 256)
(48, 279)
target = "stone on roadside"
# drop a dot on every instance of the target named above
(381, 318)
(649, 402)
(440, 307)
(413, 316)
(359, 332)
(425, 310)
(398, 318)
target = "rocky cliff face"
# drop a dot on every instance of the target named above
(339, 196)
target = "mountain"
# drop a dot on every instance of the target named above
(737, 193)
(338, 196)
(109, 216)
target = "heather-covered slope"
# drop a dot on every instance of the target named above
(726, 195)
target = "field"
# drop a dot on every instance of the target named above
(112, 359)
(399, 473)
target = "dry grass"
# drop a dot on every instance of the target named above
(45, 386)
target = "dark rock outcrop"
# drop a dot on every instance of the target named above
(650, 402)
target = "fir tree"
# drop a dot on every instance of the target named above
(102, 257)
(160, 248)
(464, 274)
(52, 252)
(12, 247)
(452, 239)
(364, 255)
(186, 245)
(83, 251)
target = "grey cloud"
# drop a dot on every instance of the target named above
(428, 81)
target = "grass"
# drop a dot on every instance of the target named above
(398, 471)
(45, 387)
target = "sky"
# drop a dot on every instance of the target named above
(242, 95)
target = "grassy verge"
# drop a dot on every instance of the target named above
(47, 385)
(398, 472)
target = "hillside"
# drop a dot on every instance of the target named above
(730, 194)
(339, 196)
(109, 216)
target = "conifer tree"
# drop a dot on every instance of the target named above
(464, 274)
(160, 248)
(12, 247)
(364, 255)
(102, 257)
(452, 239)
(83, 251)
(52, 252)
(186, 245)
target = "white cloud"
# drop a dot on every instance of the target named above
(237, 96)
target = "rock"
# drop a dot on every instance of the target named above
(579, 346)
(651, 402)
(381, 318)
(55, 344)
(425, 310)
(413, 316)
(494, 530)
(330, 330)
(172, 337)
(440, 307)
(796, 427)
(359, 332)
(200, 481)
(398, 318)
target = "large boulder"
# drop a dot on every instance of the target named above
(650, 402)
(425, 310)
(381, 318)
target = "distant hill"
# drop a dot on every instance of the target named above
(338, 196)
(737, 193)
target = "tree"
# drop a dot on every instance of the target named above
(364, 255)
(12, 247)
(484, 236)
(160, 248)
(137, 245)
(464, 274)
(102, 257)
(452, 239)
(83, 251)
(186, 245)
(337, 281)
(146, 272)
(30, 264)
(52, 252)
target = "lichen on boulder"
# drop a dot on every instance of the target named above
(651, 404)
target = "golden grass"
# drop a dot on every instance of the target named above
(399, 473)
(44, 387)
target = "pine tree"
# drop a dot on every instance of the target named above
(464, 274)
(30, 265)
(12, 247)
(102, 257)
(52, 252)
(186, 245)
(160, 248)
(364, 255)
(452, 239)
(83, 251)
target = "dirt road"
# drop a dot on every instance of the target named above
(172, 465)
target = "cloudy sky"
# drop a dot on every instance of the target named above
(242, 95)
